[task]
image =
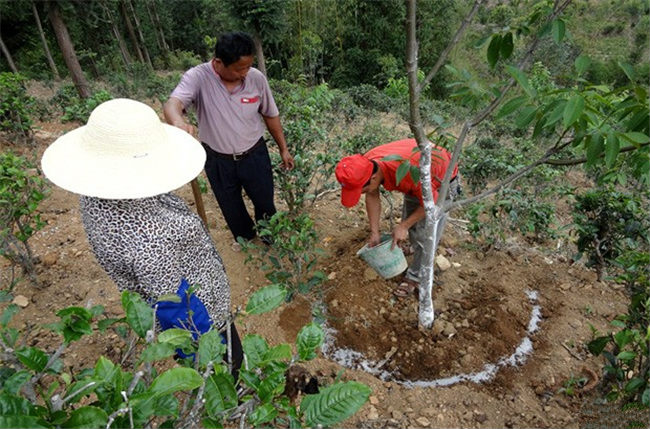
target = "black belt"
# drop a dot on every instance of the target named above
(235, 156)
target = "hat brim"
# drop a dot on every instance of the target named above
(172, 163)
(350, 196)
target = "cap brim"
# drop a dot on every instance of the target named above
(172, 164)
(350, 197)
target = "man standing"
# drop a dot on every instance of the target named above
(234, 105)
(363, 174)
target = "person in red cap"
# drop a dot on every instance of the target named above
(363, 174)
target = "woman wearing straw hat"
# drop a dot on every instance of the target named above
(124, 163)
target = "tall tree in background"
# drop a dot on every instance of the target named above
(46, 47)
(138, 28)
(7, 54)
(131, 31)
(264, 19)
(67, 49)
(126, 57)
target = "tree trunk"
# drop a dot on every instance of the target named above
(46, 47)
(261, 65)
(67, 48)
(126, 57)
(160, 29)
(129, 29)
(7, 55)
(153, 24)
(145, 51)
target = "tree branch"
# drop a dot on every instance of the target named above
(576, 161)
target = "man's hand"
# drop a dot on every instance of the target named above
(190, 129)
(400, 233)
(374, 239)
(287, 160)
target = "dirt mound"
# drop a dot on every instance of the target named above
(482, 314)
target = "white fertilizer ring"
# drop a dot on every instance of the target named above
(355, 360)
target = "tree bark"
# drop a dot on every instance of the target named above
(160, 29)
(126, 57)
(46, 47)
(145, 51)
(259, 53)
(7, 55)
(67, 48)
(129, 29)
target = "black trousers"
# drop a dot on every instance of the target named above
(237, 352)
(228, 177)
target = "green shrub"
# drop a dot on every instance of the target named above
(79, 110)
(609, 223)
(16, 107)
(21, 191)
(146, 385)
(370, 97)
(183, 60)
(289, 260)
(627, 368)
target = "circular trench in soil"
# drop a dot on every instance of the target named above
(486, 310)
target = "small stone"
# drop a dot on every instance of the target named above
(370, 274)
(442, 263)
(429, 412)
(422, 422)
(334, 303)
(465, 323)
(456, 265)
(21, 301)
(565, 286)
(480, 417)
(438, 327)
(49, 259)
(397, 415)
(372, 413)
(449, 330)
(373, 400)
(468, 415)
(332, 275)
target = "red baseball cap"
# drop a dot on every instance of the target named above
(353, 172)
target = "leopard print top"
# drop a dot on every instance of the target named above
(148, 245)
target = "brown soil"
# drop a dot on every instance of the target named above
(482, 315)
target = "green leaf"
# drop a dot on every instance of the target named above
(272, 385)
(166, 406)
(8, 314)
(402, 171)
(309, 338)
(266, 299)
(628, 70)
(174, 380)
(392, 158)
(645, 398)
(220, 394)
(511, 106)
(507, 46)
(96, 310)
(87, 417)
(255, 348)
(493, 50)
(157, 351)
(594, 149)
(14, 383)
(11, 405)
(558, 30)
(104, 324)
(13, 422)
(597, 345)
(582, 63)
(622, 338)
(176, 337)
(104, 368)
(626, 355)
(635, 384)
(262, 414)
(169, 297)
(526, 115)
(139, 315)
(573, 110)
(522, 80)
(33, 358)
(636, 137)
(279, 352)
(334, 403)
(612, 148)
(211, 348)
(556, 113)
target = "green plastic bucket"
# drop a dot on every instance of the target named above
(388, 263)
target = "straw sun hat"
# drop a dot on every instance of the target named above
(123, 152)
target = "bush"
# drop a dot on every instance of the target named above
(369, 97)
(16, 107)
(36, 391)
(609, 223)
(80, 109)
(183, 60)
(21, 191)
(289, 260)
